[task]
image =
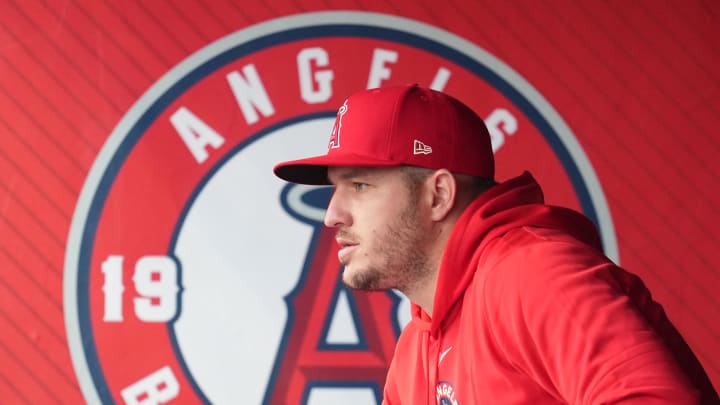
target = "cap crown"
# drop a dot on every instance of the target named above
(400, 125)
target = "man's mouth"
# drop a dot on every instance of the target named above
(346, 248)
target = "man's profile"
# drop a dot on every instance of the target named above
(513, 300)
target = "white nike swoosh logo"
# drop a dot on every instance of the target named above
(443, 354)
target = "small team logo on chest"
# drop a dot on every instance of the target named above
(445, 394)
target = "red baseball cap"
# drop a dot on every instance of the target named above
(400, 125)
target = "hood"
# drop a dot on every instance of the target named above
(509, 205)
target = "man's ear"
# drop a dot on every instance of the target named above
(442, 187)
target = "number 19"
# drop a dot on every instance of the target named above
(156, 282)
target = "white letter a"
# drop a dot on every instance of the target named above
(196, 134)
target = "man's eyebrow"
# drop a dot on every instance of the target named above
(352, 172)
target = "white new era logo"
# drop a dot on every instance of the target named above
(421, 149)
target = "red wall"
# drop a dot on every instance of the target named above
(636, 83)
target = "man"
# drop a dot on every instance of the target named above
(513, 300)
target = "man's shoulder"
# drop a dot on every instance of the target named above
(535, 246)
(530, 257)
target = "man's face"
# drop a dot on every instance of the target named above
(382, 231)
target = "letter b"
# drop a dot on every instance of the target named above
(157, 388)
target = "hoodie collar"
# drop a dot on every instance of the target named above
(509, 205)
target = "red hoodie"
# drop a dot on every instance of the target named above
(529, 311)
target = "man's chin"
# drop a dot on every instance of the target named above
(347, 277)
(361, 279)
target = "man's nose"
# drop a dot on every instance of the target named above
(336, 215)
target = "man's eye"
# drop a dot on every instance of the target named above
(360, 186)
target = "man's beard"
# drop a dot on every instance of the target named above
(401, 257)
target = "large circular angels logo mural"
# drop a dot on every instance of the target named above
(193, 275)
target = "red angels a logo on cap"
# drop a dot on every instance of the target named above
(335, 134)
